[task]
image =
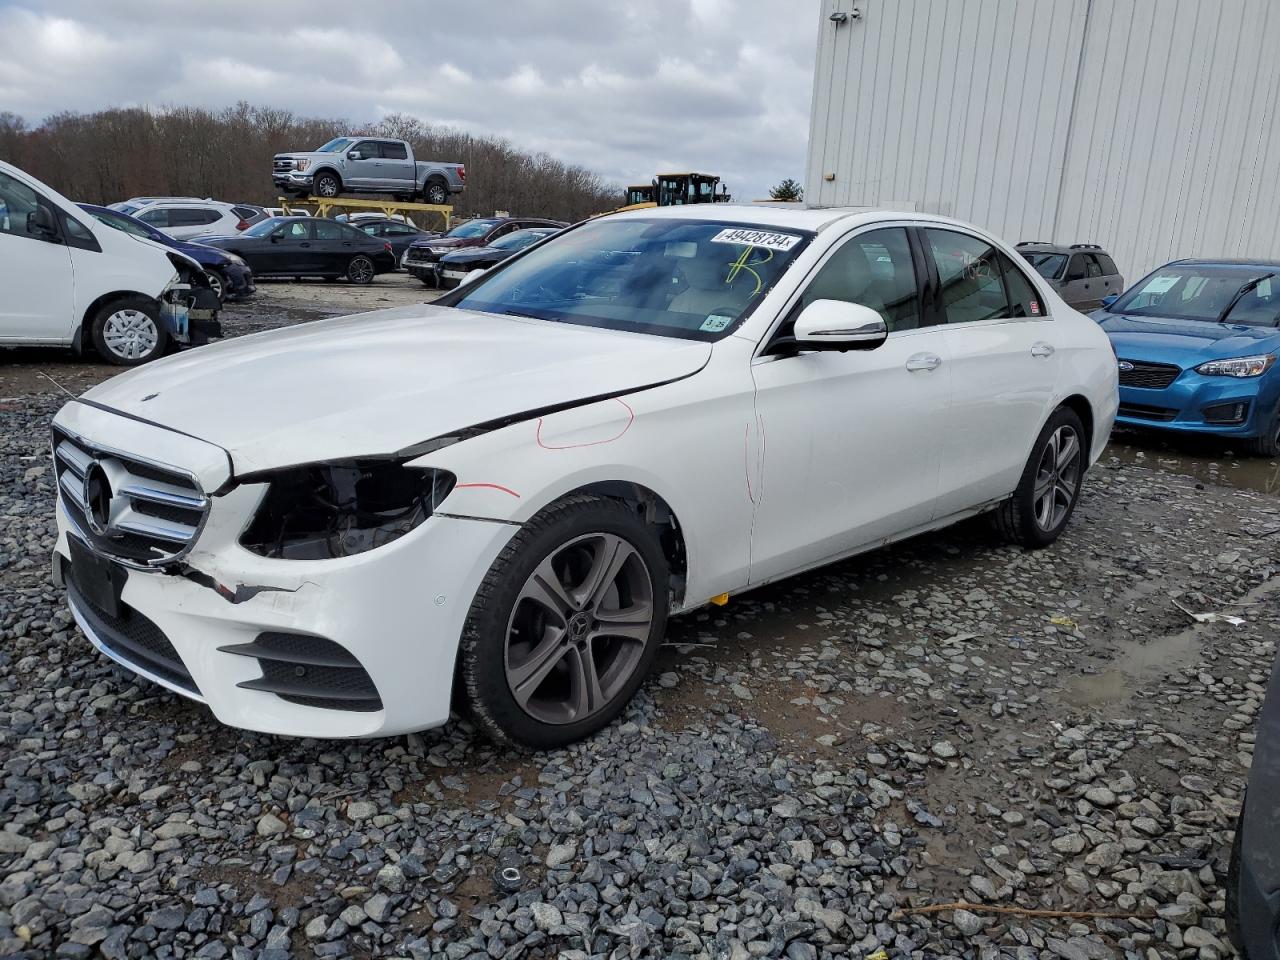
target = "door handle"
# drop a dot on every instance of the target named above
(1041, 349)
(304, 244)
(924, 361)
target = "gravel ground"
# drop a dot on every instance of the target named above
(947, 720)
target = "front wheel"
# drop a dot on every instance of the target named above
(1267, 445)
(326, 185)
(218, 284)
(1046, 496)
(127, 332)
(360, 270)
(565, 625)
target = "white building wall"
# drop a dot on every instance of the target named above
(1143, 125)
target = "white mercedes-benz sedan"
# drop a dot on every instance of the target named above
(325, 531)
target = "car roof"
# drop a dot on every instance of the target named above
(815, 219)
(1035, 246)
(1210, 262)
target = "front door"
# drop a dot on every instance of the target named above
(38, 301)
(848, 442)
(363, 166)
(1004, 367)
(287, 251)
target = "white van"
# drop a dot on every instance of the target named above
(66, 279)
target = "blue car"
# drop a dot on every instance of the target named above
(229, 275)
(1196, 342)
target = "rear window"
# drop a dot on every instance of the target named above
(244, 213)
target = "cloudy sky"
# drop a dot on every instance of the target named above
(624, 87)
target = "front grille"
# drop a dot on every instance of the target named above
(1142, 411)
(132, 637)
(150, 514)
(282, 166)
(1154, 376)
(310, 671)
(416, 255)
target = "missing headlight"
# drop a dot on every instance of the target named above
(324, 511)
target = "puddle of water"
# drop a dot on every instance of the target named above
(1208, 459)
(1134, 661)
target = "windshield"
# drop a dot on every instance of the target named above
(472, 229)
(263, 227)
(1048, 265)
(336, 145)
(1203, 291)
(694, 279)
(520, 239)
(124, 224)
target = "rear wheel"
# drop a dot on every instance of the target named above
(436, 191)
(360, 270)
(565, 625)
(127, 332)
(1046, 496)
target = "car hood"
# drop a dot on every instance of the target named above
(1183, 342)
(446, 242)
(467, 254)
(376, 383)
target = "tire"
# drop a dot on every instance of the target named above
(219, 284)
(326, 184)
(436, 191)
(1233, 885)
(1267, 445)
(360, 270)
(1047, 493)
(127, 332)
(535, 693)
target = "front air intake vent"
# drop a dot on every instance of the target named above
(310, 671)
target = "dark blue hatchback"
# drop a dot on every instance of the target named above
(1196, 342)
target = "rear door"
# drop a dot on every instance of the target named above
(334, 246)
(37, 290)
(187, 223)
(850, 441)
(1112, 281)
(397, 168)
(1004, 367)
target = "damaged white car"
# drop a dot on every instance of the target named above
(67, 279)
(328, 530)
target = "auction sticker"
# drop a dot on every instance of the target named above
(715, 322)
(757, 238)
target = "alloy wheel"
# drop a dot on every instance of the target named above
(216, 285)
(130, 334)
(1057, 478)
(360, 270)
(578, 628)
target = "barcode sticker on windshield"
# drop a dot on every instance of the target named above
(756, 238)
(1160, 285)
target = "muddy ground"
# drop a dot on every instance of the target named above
(950, 719)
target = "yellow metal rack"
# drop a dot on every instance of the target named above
(323, 206)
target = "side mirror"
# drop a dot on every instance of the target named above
(41, 223)
(354, 155)
(1109, 299)
(275, 237)
(471, 275)
(839, 325)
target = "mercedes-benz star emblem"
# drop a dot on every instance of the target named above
(97, 499)
(1125, 366)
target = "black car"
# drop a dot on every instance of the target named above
(398, 234)
(1253, 880)
(420, 259)
(309, 247)
(452, 267)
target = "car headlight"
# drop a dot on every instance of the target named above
(1237, 366)
(236, 259)
(324, 511)
(302, 164)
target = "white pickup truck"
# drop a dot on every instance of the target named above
(367, 165)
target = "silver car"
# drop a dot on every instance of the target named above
(1082, 273)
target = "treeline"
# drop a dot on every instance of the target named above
(188, 151)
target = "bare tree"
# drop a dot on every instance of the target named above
(190, 151)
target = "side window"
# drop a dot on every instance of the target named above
(1023, 299)
(294, 230)
(367, 149)
(394, 151)
(1075, 267)
(874, 269)
(328, 230)
(157, 217)
(502, 231)
(17, 203)
(1108, 265)
(1092, 268)
(78, 235)
(969, 274)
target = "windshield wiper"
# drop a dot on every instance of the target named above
(1248, 285)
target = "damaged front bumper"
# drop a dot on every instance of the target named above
(189, 308)
(353, 647)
